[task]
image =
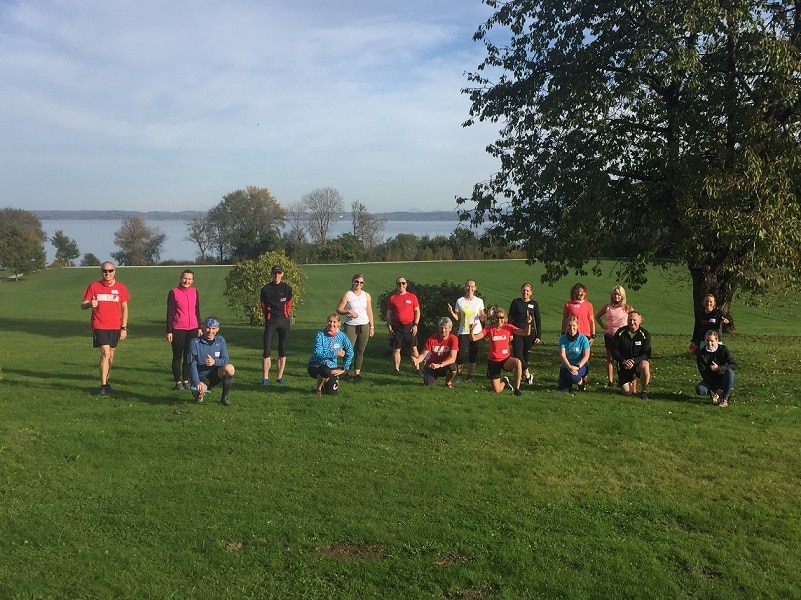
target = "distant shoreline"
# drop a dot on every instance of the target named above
(157, 215)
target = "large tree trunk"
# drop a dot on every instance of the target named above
(720, 283)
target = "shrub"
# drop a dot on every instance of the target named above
(244, 282)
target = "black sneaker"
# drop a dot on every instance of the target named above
(179, 387)
(356, 378)
(105, 390)
(518, 392)
(225, 401)
(506, 383)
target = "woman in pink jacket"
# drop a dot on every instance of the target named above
(183, 324)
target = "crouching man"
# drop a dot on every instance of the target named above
(209, 364)
(631, 348)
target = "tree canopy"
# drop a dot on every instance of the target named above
(21, 241)
(66, 248)
(247, 223)
(646, 131)
(138, 244)
(322, 205)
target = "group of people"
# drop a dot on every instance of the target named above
(200, 359)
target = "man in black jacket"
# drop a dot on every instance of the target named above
(631, 349)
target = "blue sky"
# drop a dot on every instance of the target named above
(154, 105)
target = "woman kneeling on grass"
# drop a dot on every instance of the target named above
(716, 365)
(574, 350)
(500, 357)
(329, 345)
(441, 350)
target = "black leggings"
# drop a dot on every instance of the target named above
(467, 349)
(521, 347)
(180, 348)
(280, 326)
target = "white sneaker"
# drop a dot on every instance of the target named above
(506, 383)
(529, 379)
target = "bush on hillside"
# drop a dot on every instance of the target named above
(244, 282)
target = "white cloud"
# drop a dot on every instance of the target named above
(132, 103)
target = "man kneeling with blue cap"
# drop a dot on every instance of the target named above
(209, 363)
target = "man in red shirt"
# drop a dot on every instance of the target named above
(440, 350)
(403, 318)
(108, 299)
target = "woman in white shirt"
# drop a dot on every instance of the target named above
(468, 312)
(357, 307)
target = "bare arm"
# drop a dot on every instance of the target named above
(124, 316)
(370, 314)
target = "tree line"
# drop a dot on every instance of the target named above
(244, 225)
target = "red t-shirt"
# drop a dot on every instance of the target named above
(402, 307)
(582, 310)
(108, 314)
(440, 349)
(499, 338)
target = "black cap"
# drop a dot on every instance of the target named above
(276, 269)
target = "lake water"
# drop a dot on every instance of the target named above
(97, 236)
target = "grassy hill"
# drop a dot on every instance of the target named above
(390, 490)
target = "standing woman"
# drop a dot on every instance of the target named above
(709, 318)
(468, 313)
(522, 312)
(578, 306)
(183, 325)
(357, 307)
(612, 317)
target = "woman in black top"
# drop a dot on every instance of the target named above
(519, 311)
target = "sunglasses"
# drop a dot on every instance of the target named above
(106, 270)
(359, 281)
(401, 283)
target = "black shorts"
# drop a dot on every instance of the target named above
(609, 341)
(468, 349)
(495, 368)
(402, 336)
(316, 371)
(105, 337)
(625, 376)
(212, 378)
(430, 375)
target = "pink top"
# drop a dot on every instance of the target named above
(582, 310)
(616, 317)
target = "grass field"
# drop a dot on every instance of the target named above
(390, 489)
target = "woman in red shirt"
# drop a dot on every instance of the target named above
(500, 356)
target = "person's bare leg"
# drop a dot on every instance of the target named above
(266, 363)
(471, 369)
(518, 372)
(610, 367)
(106, 360)
(281, 366)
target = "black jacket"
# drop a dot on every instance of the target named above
(636, 347)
